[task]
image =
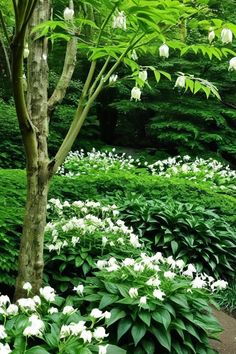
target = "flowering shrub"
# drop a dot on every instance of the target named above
(157, 304)
(189, 232)
(199, 170)
(81, 232)
(48, 324)
(79, 162)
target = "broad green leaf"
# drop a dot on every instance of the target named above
(123, 326)
(163, 336)
(107, 299)
(116, 314)
(145, 316)
(138, 331)
(37, 350)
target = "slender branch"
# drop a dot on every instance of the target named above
(99, 76)
(105, 23)
(6, 57)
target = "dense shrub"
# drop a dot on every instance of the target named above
(156, 305)
(187, 231)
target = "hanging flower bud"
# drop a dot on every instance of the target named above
(68, 14)
(119, 21)
(232, 64)
(164, 51)
(135, 94)
(143, 75)
(26, 51)
(113, 78)
(134, 55)
(211, 36)
(180, 82)
(226, 36)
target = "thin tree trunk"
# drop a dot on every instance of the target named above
(32, 240)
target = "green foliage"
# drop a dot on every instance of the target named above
(154, 308)
(227, 298)
(192, 233)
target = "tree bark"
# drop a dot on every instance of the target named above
(32, 240)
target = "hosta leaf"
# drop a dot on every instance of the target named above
(116, 314)
(123, 326)
(107, 299)
(138, 332)
(162, 336)
(145, 317)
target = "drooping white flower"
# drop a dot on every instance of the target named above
(27, 304)
(96, 313)
(107, 315)
(169, 274)
(68, 14)
(12, 310)
(4, 299)
(226, 36)
(113, 78)
(136, 94)
(211, 36)
(219, 284)
(164, 51)
(36, 327)
(27, 286)
(68, 310)
(143, 75)
(101, 264)
(3, 333)
(86, 336)
(180, 82)
(77, 328)
(5, 349)
(180, 263)
(143, 300)
(128, 262)
(37, 300)
(52, 310)
(102, 349)
(48, 293)
(100, 333)
(119, 21)
(79, 289)
(198, 283)
(158, 294)
(133, 292)
(65, 331)
(232, 64)
(134, 55)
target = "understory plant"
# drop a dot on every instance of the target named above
(47, 324)
(190, 232)
(78, 234)
(157, 304)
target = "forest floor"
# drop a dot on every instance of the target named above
(227, 344)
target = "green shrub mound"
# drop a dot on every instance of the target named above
(187, 231)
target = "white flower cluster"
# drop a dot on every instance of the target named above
(112, 231)
(154, 271)
(79, 163)
(208, 170)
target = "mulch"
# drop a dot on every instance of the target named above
(227, 344)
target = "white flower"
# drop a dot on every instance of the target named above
(86, 336)
(5, 349)
(232, 64)
(102, 349)
(68, 14)
(133, 292)
(12, 309)
(100, 333)
(198, 283)
(79, 289)
(128, 262)
(52, 310)
(48, 293)
(220, 284)
(4, 299)
(96, 313)
(180, 263)
(153, 282)
(27, 304)
(164, 51)
(36, 327)
(104, 241)
(180, 82)
(101, 264)
(211, 36)
(77, 328)
(3, 333)
(158, 294)
(107, 315)
(169, 274)
(226, 36)
(143, 300)
(119, 21)
(113, 78)
(136, 93)
(37, 300)
(65, 331)
(143, 75)
(134, 55)
(68, 310)
(138, 267)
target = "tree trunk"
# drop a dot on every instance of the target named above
(31, 248)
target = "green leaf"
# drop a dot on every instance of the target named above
(138, 332)
(148, 346)
(145, 316)
(123, 326)
(37, 350)
(162, 316)
(174, 247)
(113, 349)
(116, 314)
(162, 336)
(107, 299)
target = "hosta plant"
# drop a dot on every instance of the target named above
(80, 233)
(47, 324)
(157, 304)
(189, 232)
